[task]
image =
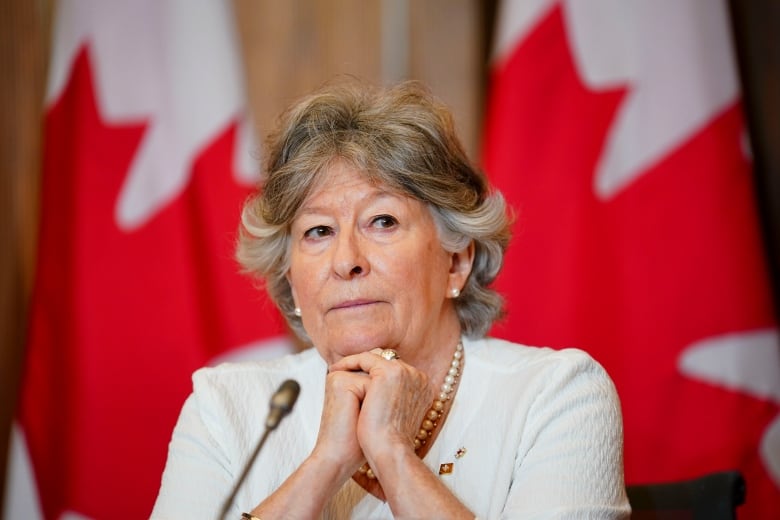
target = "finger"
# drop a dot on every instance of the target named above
(364, 362)
(354, 382)
(337, 436)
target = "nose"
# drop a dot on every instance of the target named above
(349, 259)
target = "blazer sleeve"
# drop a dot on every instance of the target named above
(571, 461)
(198, 475)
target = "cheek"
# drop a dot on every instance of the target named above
(301, 278)
(426, 268)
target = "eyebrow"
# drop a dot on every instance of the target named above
(371, 198)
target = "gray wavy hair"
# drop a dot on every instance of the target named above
(400, 137)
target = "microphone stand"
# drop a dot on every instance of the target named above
(282, 403)
(244, 473)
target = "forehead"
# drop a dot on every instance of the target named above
(343, 184)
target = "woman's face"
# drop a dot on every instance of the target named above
(367, 269)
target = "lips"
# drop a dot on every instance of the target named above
(353, 304)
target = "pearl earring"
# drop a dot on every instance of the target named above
(297, 311)
(454, 292)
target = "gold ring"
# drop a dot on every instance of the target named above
(389, 354)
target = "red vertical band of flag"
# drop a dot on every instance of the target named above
(662, 279)
(122, 314)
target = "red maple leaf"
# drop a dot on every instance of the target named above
(121, 319)
(673, 258)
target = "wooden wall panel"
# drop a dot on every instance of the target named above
(755, 25)
(446, 53)
(292, 47)
(23, 47)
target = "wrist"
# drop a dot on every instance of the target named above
(335, 467)
(392, 458)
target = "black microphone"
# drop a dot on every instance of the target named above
(282, 403)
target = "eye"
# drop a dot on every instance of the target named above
(384, 221)
(318, 232)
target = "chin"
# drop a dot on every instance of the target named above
(355, 344)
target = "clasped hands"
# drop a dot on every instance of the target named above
(372, 411)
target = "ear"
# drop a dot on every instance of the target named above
(461, 263)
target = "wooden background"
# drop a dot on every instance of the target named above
(24, 29)
(294, 46)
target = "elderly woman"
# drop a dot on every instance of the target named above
(378, 241)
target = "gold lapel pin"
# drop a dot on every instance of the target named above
(446, 468)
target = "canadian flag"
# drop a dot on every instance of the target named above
(615, 130)
(145, 172)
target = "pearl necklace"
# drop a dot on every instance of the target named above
(431, 420)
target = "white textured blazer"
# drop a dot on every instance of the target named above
(532, 433)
